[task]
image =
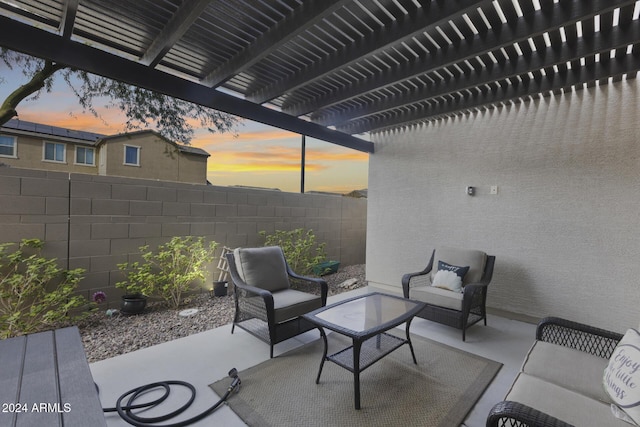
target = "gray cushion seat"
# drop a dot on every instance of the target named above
(289, 303)
(567, 367)
(562, 403)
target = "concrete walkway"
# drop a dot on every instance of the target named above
(204, 358)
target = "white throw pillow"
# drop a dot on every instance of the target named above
(622, 375)
(447, 280)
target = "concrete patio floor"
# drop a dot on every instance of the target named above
(204, 358)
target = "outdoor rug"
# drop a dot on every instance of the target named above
(438, 392)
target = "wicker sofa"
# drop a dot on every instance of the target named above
(560, 382)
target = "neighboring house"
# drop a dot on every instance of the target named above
(143, 154)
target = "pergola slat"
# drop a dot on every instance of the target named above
(360, 65)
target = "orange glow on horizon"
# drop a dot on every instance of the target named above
(203, 140)
(81, 122)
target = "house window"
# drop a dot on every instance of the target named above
(7, 146)
(54, 152)
(131, 155)
(85, 156)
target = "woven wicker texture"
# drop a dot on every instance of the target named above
(438, 392)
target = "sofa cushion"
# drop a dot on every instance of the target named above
(564, 404)
(463, 257)
(437, 296)
(262, 267)
(567, 367)
(622, 375)
(290, 303)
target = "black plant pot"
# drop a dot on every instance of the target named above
(220, 289)
(133, 303)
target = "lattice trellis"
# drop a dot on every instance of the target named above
(223, 265)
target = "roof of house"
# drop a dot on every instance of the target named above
(41, 129)
(183, 148)
(83, 137)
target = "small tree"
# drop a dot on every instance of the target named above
(35, 294)
(143, 108)
(299, 247)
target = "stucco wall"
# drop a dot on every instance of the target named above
(111, 217)
(158, 160)
(564, 225)
(30, 154)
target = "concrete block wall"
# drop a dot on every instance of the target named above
(96, 222)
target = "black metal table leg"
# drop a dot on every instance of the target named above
(324, 354)
(356, 371)
(413, 354)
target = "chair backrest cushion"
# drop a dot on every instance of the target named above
(262, 267)
(476, 261)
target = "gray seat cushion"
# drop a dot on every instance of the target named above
(290, 303)
(568, 368)
(564, 404)
(263, 267)
(287, 304)
(437, 296)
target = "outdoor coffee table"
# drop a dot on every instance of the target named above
(365, 319)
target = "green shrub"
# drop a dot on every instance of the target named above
(300, 248)
(169, 271)
(35, 294)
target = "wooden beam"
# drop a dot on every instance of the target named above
(68, 18)
(179, 23)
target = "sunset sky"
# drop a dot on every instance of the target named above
(260, 155)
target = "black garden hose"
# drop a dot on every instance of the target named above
(125, 411)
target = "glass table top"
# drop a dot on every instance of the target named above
(368, 312)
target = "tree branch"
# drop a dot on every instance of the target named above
(37, 82)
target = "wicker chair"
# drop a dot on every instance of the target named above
(459, 310)
(266, 304)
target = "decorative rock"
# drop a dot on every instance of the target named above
(349, 284)
(104, 337)
(188, 312)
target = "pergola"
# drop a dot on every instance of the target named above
(332, 69)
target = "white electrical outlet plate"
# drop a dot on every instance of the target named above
(494, 189)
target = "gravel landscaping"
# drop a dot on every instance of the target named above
(108, 336)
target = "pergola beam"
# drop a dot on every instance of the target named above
(43, 44)
(179, 23)
(68, 18)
